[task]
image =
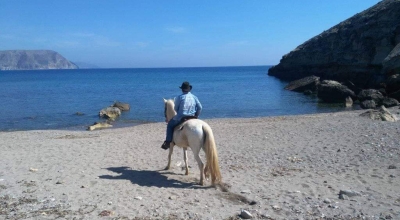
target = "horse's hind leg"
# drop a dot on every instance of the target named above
(185, 158)
(171, 149)
(201, 165)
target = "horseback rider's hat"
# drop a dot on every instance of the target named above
(186, 87)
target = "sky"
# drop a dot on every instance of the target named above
(169, 33)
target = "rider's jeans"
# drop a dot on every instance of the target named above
(170, 129)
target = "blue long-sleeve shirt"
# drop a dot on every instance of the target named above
(187, 104)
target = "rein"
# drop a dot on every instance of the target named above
(165, 110)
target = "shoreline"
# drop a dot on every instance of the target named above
(131, 123)
(279, 167)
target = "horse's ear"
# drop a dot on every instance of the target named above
(165, 100)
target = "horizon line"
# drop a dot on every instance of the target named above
(175, 67)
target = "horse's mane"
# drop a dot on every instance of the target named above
(170, 104)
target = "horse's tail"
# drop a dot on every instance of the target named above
(211, 154)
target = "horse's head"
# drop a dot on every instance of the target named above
(169, 111)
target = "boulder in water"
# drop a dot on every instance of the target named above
(122, 106)
(110, 113)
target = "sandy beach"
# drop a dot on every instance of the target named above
(321, 166)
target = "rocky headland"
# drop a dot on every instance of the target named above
(362, 52)
(33, 60)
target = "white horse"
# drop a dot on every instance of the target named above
(197, 135)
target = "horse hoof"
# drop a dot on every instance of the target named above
(166, 168)
(187, 173)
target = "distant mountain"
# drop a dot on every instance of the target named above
(33, 60)
(83, 65)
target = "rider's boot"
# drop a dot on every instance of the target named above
(166, 145)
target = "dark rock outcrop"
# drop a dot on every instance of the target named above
(122, 106)
(363, 49)
(390, 102)
(395, 95)
(393, 83)
(301, 85)
(334, 92)
(368, 104)
(391, 64)
(33, 60)
(371, 94)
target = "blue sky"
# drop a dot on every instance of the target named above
(175, 33)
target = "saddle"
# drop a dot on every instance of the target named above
(186, 118)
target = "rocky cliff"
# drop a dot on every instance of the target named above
(33, 59)
(364, 49)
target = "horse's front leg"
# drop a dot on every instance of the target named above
(185, 158)
(171, 149)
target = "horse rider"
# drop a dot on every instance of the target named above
(186, 105)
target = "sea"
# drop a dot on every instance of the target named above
(72, 99)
